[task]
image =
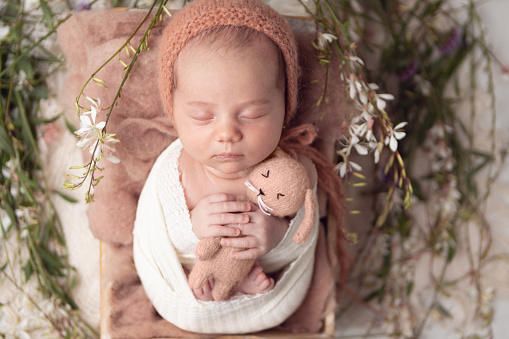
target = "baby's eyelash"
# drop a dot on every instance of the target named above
(266, 175)
(280, 195)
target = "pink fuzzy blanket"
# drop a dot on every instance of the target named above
(88, 39)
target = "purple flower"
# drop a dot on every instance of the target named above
(409, 71)
(83, 6)
(453, 41)
(386, 177)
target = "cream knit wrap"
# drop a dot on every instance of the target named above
(160, 269)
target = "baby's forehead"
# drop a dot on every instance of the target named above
(229, 40)
(232, 43)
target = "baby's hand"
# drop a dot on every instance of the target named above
(261, 234)
(217, 216)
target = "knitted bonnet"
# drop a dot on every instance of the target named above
(204, 14)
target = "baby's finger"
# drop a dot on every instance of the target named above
(222, 231)
(252, 253)
(228, 218)
(220, 197)
(242, 242)
(229, 206)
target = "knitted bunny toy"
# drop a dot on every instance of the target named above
(280, 186)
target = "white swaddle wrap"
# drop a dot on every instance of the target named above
(159, 257)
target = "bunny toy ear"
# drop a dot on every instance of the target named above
(307, 223)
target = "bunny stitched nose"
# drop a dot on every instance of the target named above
(263, 206)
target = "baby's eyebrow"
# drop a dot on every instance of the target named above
(256, 102)
(199, 103)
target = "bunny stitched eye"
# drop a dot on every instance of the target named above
(266, 175)
(280, 195)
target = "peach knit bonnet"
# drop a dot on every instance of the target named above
(204, 14)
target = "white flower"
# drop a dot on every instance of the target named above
(440, 152)
(103, 150)
(395, 134)
(450, 200)
(4, 31)
(362, 125)
(93, 135)
(30, 5)
(88, 125)
(356, 60)
(354, 86)
(5, 220)
(325, 38)
(8, 169)
(347, 166)
(354, 142)
(445, 202)
(22, 81)
(381, 100)
(375, 147)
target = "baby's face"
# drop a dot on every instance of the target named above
(228, 108)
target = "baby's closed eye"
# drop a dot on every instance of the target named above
(254, 114)
(202, 116)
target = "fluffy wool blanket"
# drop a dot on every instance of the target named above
(144, 132)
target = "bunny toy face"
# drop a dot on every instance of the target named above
(280, 186)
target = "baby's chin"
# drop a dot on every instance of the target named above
(230, 174)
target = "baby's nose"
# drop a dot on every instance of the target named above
(228, 131)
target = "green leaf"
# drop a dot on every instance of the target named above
(39, 92)
(42, 121)
(69, 126)
(28, 270)
(442, 310)
(27, 130)
(29, 203)
(48, 16)
(6, 143)
(372, 295)
(65, 197)
(51, 261)
(3, 268)
(25, 179)
(47, 232)
(73, 283)
(451, 251)
(409, 288)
